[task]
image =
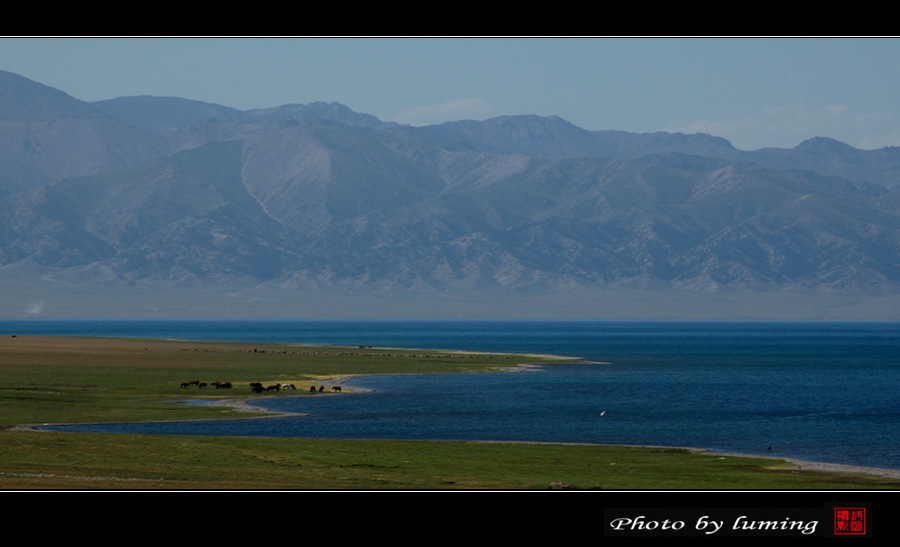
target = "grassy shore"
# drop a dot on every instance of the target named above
(80, 379)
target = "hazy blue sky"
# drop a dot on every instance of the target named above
(755, 92)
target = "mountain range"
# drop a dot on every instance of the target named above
(169, 193)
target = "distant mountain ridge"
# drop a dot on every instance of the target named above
(554, 137)
(173, 192)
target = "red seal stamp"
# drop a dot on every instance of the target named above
(850, 521)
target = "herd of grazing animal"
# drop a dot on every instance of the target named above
(312, 389)
(257, 387)
(219, 385)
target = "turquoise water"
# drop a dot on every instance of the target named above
(817, 391)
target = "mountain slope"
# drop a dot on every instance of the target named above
(167, 192)
(45, 131)
(183, 217)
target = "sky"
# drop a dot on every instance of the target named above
(755, 92)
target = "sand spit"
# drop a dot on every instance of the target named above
(245, 405)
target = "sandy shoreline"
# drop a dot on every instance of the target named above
(245, 405)
(837, 468)
(804, 465)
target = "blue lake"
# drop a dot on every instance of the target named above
(825, 391)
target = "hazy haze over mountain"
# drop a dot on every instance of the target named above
(161, 206)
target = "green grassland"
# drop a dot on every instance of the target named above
(80, 379)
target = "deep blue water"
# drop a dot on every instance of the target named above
(816, 391)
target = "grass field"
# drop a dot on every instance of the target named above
(80, 379)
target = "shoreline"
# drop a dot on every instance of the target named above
(246, 405)
(242, 404)
(806, 465)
